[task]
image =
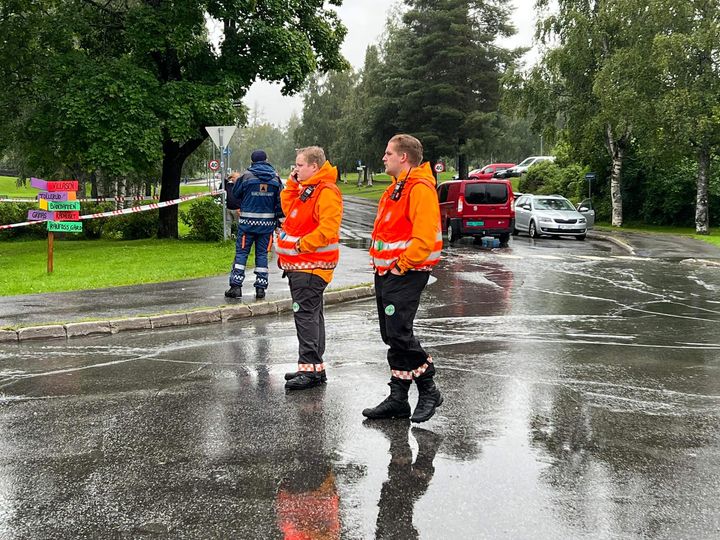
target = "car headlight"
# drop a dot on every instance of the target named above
(545, 220)
(582, 220)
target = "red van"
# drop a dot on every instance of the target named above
(477, 208)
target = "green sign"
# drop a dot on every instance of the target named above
(64, 226)
(64, 206)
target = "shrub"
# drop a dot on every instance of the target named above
(94, 228)
(17, 213)
(538, 176)
(205, 219)
(135, 226)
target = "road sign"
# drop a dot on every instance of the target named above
(64, 206)
(590, 176)
(439, 167)
(63, 185)
(214, 165)
(65, 226)
(228, 151)
(57, 195)
(220, 135)
(40, 215)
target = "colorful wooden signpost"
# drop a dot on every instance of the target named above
(59, 207)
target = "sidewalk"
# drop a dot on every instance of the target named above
(157, 305)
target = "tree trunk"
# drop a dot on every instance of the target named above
(174, 156)
(616, 148)
(432, 162)
(702, 219)
(462, 159)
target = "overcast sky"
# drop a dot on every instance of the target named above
(365, 21)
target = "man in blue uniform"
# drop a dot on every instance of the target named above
(258, 191)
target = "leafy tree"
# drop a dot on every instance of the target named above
(594, 82)
(444, 75)
(688, 59)
(323, 122)
(117, 85)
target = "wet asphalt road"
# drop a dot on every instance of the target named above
(582, 397)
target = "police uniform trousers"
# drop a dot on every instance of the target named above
(244, 242)
(307, 290)
(398, 298)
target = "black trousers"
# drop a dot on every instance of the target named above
(398, 298)
(307, 290)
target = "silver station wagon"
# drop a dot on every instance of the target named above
(551, 215)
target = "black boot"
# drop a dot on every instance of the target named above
(259, 293)
(235, 291)
(395, 405)
(306, 379)
(430, 398)
(292, 374)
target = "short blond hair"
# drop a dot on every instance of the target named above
(313, 154)
(407, 144)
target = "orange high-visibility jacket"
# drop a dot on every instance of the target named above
(310, 235)
(407, 231)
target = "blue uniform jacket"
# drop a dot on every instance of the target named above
(258, 190)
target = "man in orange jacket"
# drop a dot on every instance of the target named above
(308, 250)
(406, 245)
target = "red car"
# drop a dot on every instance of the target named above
(488, 171)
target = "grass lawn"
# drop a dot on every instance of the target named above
(712, 238)
(380, 184)
(85, 264)
(8, 188)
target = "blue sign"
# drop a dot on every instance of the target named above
(227, 151)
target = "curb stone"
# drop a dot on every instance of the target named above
(205, 316)
(8, 335)
(42, 332)
(263, 308)
(165, 321)
(230, 313)
(87, 328)
(610, 238)
(220, 314)
(133, 323)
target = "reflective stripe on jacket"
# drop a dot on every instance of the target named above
(300, 221)
(412, 242)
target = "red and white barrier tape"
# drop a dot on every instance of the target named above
(132, 210)
(89, 199)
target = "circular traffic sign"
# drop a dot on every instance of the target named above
(439, 167)
(214, 165)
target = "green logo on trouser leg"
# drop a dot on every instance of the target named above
(296, 307)
(390, 310)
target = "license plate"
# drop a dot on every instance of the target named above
(475, 223)
(570, 226)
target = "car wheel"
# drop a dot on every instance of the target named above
(504, 239)
(580, 237)
(453, 234)
(532, 230)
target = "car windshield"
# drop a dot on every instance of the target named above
(554, 204)
(528, 161)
